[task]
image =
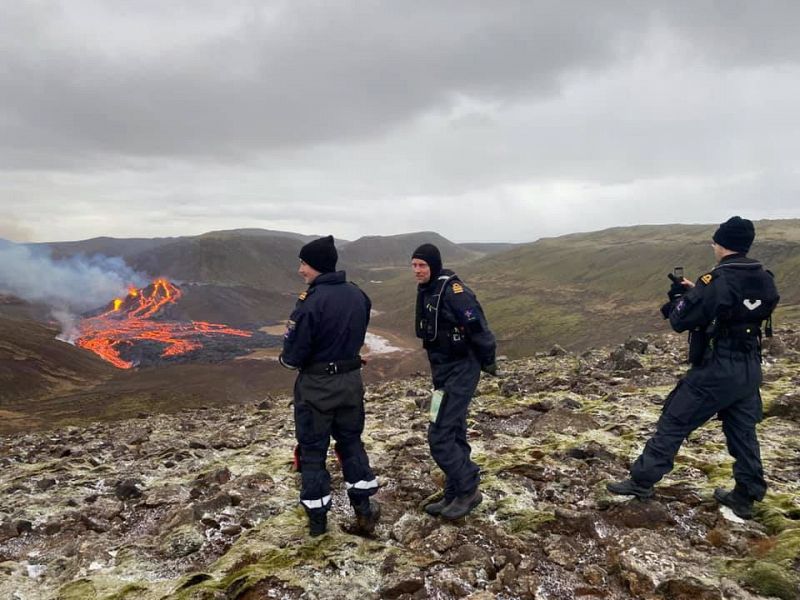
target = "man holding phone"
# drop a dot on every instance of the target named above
(723, 311)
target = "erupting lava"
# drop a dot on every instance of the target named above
(129, 320)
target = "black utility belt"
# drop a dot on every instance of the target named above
(333, 368)
(740, 332)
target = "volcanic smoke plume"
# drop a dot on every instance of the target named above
(135, 331)
(70, 284)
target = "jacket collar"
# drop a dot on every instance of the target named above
(329, 278)
(433, 283)
(734, 258)
(738, 261)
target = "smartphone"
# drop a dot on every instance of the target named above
(678, 272)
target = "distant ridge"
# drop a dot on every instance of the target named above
(255, 232)
(128, 247)
(263, 262)
(395, 250)
(107, 246)
(488, 247)
(587, 289)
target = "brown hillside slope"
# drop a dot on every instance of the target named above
(260, 262)
(587, 289)
(33, 364)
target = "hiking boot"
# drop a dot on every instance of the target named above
(462, 505)
(738, 501)
(435, 509)
(367, 517)
(317, 523)
(629, 487)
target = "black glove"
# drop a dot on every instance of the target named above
(676, 290)
(491, 369)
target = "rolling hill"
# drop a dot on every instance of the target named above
(267, 263)
(586, 289)
(395, 250)
(578, 290)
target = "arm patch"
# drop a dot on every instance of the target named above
(706, 279)
(290, 327)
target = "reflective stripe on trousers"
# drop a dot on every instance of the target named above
(362, 485)
(319, 503)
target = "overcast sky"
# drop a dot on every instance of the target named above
(484, 121)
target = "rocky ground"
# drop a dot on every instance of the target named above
(202, 504)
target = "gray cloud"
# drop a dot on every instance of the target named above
(142, 79)
(503, 120)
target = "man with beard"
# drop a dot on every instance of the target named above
(323, 338)
(454, 331)
(723, 311)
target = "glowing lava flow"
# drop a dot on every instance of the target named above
(129, 320)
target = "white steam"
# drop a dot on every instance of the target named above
(70, 331)
(71, 285)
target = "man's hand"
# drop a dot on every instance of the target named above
(491, 369)
(678, 287)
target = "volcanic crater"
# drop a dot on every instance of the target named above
(145, 328)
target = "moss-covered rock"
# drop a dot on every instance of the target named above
(768, 579)
(223, 522)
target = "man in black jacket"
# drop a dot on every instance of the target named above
(454, 331)
(723, 311)
(323, 338)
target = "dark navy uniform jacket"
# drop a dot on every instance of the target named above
(737, 295)
(453, 325)
(329, 323)
(723, 312)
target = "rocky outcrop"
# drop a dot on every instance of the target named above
(203, 504)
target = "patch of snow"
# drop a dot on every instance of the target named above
(35, 571)
(379, 345)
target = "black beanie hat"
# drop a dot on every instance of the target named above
(736, 234)
(430, 254)
(320, 254)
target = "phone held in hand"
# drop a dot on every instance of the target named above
(678, 273)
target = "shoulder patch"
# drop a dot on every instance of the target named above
(707, 278)
(302, 296)
(458, 288)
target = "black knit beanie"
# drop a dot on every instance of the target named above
(736, 234)
(320, 254)
(430, 254)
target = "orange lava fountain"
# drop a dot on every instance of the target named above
(130, 319)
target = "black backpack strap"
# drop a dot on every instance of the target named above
(443, 281)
